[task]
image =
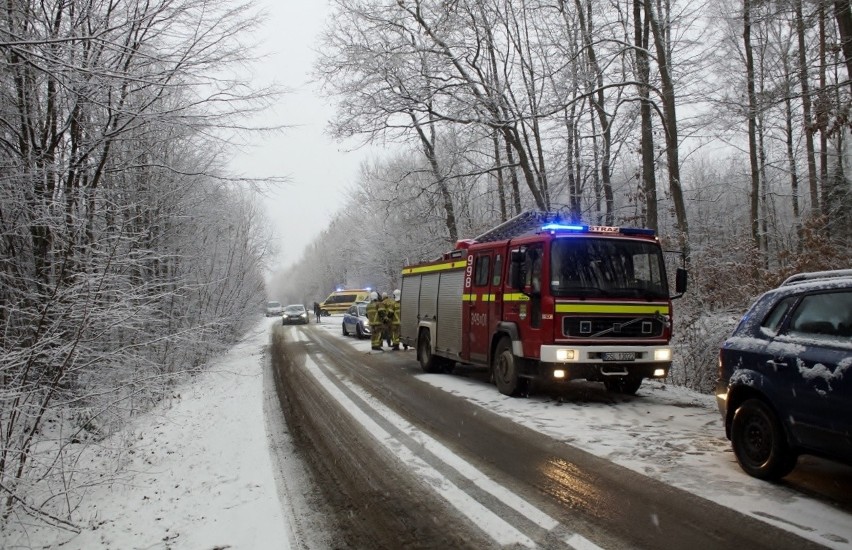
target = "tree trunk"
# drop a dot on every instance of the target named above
(428, 144)
(822, 114)
(574, 191)
(495, 134)
(752, 127)
(498, 169)
(791, 163)
(513, 177)
(843, 15)
(510, 133)
(649, 177)
(806, 106)
(598, 100)
(670, 125)
(764, 189)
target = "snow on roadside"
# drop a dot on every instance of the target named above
(197, 473)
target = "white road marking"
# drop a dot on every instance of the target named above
(501, 531)
(581, 543)
(457, 463)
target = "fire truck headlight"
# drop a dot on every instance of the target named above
(659, 373)
(563, 355)
(559, 373)
(662, 354)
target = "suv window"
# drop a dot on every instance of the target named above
(776, 316)
(827, 314)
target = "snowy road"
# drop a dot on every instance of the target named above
(215, 466)
(405, 459)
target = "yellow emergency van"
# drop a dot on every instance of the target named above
(340, 300)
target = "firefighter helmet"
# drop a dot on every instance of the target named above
(374, 296)
(384, 295)
(396, 294)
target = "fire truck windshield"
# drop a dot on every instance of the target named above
(590, 266)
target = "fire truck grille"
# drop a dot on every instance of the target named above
(609, 327)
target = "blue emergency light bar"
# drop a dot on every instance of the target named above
(561, 227)
(553, 227)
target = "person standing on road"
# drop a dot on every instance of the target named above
(317, 311)
(376, 316)
(389, 304)
(395, 321)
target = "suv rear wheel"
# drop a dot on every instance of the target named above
(759, 442)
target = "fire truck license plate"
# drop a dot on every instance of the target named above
(619, 356)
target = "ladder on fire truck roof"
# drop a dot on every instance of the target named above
(523, 223)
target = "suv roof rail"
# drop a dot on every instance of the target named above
(816, 275)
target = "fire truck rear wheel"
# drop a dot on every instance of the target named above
(505, 370)
(428, 362)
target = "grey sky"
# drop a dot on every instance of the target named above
(320, 170)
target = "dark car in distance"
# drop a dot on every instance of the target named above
(355, 320)
(785, 375)
(295, 314)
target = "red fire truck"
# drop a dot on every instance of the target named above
(536, 298)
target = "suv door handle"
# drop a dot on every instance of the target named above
(772, 363)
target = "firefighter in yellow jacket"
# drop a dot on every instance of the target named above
(395, 321)
(388, 304)
(376, 315)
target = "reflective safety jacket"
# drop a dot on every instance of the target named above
(386, 308)
(396, 320)
(373, 312)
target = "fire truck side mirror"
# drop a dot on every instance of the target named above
(680, 281)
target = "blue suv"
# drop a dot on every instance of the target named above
(785, 375)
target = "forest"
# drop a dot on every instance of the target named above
(722, 125)
(129, 254)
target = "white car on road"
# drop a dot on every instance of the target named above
(273, 309)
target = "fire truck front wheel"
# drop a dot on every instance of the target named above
(505, 370)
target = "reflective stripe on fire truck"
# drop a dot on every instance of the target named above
(631, 308)
(479, 297)
(508, 297)
(435, 267)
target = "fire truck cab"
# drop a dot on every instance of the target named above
(534, 298)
